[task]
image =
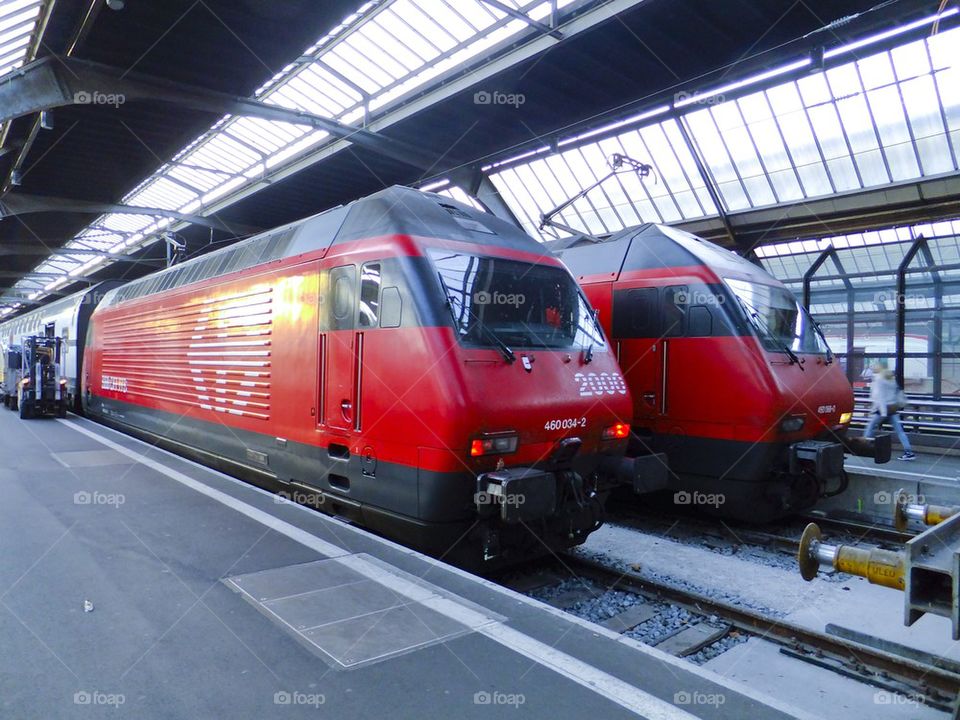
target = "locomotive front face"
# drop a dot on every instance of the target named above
(554, 402)
(534, 352)
(730, 376)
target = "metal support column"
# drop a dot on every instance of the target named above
(902, 303)
(935, 332)
(712, 190)
(808, 275)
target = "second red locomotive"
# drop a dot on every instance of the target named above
(730, 376)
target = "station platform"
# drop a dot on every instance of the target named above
(933, 477)
(929, 463)
(138, 584)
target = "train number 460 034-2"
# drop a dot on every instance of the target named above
(565, 423)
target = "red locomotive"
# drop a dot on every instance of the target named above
(405, 361)
(730, 377)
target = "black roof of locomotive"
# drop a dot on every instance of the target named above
(396, 210)
(646, 247)
(405, 211)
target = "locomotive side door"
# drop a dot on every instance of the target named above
(339, 348)
(636, 332)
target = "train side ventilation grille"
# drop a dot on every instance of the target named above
(213, 354)
(248, 253)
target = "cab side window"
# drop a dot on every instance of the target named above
(370, 279)
(635, 313)
(676, 299)
(344, 296)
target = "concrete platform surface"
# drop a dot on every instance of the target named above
(138, 584)
(933, 478)
(929, 463)
(823, 692)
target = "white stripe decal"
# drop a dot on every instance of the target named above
(584, 674)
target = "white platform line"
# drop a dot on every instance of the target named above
(584, 674)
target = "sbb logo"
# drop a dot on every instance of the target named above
(116, 384)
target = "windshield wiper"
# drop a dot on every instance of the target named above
(758, 323)
(504, 349)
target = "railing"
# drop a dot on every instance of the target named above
(922, 415)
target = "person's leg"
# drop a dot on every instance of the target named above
(898, 426)
(872, 426)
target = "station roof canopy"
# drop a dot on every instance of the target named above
(127, 125)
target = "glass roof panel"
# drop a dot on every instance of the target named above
(821, 134)
(710, 145)
(19, 22)
(923, 109)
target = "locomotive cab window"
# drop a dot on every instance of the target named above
(493, 301)
(699, 321)
(391, 308)
(675, 300)
(776, 317)
(370, 279)
(635, 313)
(342, 289)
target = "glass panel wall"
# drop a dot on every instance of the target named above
(853, 295)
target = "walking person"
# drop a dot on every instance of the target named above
(886, 400)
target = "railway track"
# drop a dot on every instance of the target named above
(716, 533)
(928, 679)
(861, 530)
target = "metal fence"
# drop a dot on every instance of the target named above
(922, 415)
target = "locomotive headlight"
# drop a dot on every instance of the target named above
(63, 381)
(494, 444)
(845, 418)
(792, 424)
(616, 432)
